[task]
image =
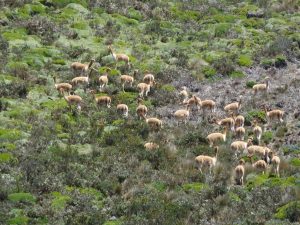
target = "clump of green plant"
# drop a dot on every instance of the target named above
(280, 61)
(295, 162)
(209, 71)
(221, 29)
(245, 60)
(267, 137)
(290, 211)
(250, 83)
(21, 197)
(267, 63)
(256, 114)
(168, 88)
(237, 74)
(197, 187)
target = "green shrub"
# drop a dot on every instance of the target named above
(250, 83)
(134, 14)
(168, 88)
(267, 63)
(290, 211)
(267, 137)
(222, 29)
(15, 34)
(295, 162)
(256, 114)
(280, 61)
(5, 157)
(209, 71)
(245, 60)
(24, 197)
(237, 74)
(59, 201)
(9, 134)
(80, 25)
(63, 3)
(197, 187)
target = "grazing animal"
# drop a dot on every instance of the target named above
(126, 79)
(260, 165)
(184, 94)
(262, 88)
(74, 100)
(81, 80)
(240, 172)
(123, 108)
(207, 161)
(257, 131)
(154, 123)
(227, 122)
(103, 80)
(240, 146)
(141, 109)
(240, 133)
(62, 87)
(119, 57)
(233, 107)
(182, 115)
(149, 79)
(239, 121)
(143, 89)
(274, 115)
(261, 151)
(151, 146)
(82, 68)
(275, 161)
(194, 100)
(101, 100)
(216, 138)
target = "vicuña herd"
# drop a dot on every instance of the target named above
(233, 125)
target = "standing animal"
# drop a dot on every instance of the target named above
(82, 68)
(207, 161)
(194, 100)
(141, 109)
(149, 78)
(262, 88)
(101, 100)
(240, 146)
(119, 57)
(208, 106)
(154, 123)
(182, 115)
(143, 88)
(261, 151)
(239, 121)
(81, 80)
(240, 172)
(234, 107)
(151, 146)
(257, 131)
(259, 165)
(184, 94)
(216, 138)
(123, 108)
(227, 122)
(275, 161)
(240, 133)
(62, 87)
(126, 79)
(74, 100)
(103, 80)
(274, 115)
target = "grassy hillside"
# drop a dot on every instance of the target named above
(62, 166)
